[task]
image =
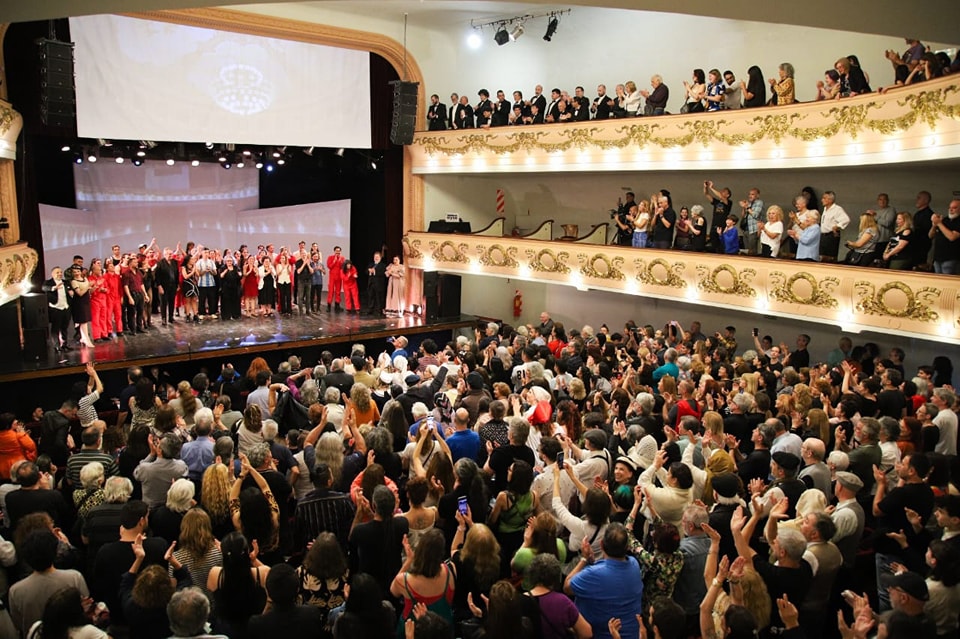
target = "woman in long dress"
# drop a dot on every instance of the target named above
(230, 290)
(396, 283)
(268, 288)
(80, 305)
(188, 286)
(251, 286)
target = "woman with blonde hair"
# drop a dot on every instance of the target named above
(362, 406)
(215, 499)
(818, 425)
(771, 232)
(862, 250)
(475, 554)
(329, 450)
(747, 590)
(899, 254)
(197, 548)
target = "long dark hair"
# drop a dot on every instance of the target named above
(144, 395)
(255, 517)
(63, 611)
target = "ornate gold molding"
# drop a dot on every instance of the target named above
(912, 304)
(17, 264)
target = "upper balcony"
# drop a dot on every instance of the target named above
(919, 122)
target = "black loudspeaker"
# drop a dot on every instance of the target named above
(58, 95)
(35, 342)
(404, 111)
(34, 311)
(9, 331)
(442, 293)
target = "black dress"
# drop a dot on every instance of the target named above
(230, 289)
(268, 291)
(80, 303)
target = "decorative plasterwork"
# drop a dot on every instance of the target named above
(17, 264)
(895, 125)
(921, 305)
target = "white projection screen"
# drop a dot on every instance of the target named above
(127, 205)
(147, 80)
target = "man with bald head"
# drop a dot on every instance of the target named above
(815, 473)
(463, 442)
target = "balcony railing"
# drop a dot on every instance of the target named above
(17, 264)
(919, 122)
(907, 303)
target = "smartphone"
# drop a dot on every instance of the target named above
(462, 505)
(560, 459)
(756, 332)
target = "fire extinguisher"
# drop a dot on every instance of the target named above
(517, 304)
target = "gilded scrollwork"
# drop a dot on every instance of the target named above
(850, 119)
(498, 255)
(17, 266)
(413, 247)
(557, 261)
(740, 285)
(820, 291)
(447, 251)
(610, 267)
(672, 279)
(916, 307)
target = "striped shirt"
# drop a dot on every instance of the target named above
(199, 569)
(78, 460)
(86, 413)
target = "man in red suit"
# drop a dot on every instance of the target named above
(335, 268)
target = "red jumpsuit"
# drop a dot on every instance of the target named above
(351, 294)
(99, 319)
(335, 268)
(114, 308)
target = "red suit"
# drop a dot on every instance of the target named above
(335, 268)
(99, 318)
(351, 294)
(114, 308)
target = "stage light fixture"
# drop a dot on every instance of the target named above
(551, 28)
(516, 33)
(209, 145)
(247, 152)
(308, 152)
(65, 148)
(78, 158)
(474, 41)
(222, 157)
(141, 153)
(170, 160)
(118, 160)
(137, 161)
(277, 154)
(339, 153)
(240, 164)
(103, 142)
(502, 36)
(281, 162)
(259, 165)
(91, 157)
(195, 163)
(227, 165)
(268, 168)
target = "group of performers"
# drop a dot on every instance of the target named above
(118, 294)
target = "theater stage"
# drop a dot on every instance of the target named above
(236, 341)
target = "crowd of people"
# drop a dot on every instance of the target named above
(810, 231)
(703, 92)
(531, 481)
(121, 293)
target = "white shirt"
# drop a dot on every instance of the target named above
(772, 242)
(833, 216)
(946, 419)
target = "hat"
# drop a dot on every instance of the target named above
(646, 451)
(475, 380)
(412, 379)
(726, 485)
(786, 461)
(386, 377)
(626, 461)
(909, 582)
(849, 481)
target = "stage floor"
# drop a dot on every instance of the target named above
(182, 341)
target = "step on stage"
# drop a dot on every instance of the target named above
(217, 339)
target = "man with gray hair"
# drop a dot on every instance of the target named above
(865, 456)
(198, 454)
(188, 611)
(669, 366)
(944, 399)
(785, 441)
(756, 465)
(160, 468)
(335, 410)
(815, 473)
(695, 546)
(501, 458)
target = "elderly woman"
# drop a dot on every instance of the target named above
(15, 444)
(863, 248)
(165, 521)
(771, 232)
(783, 88)
(90, 493)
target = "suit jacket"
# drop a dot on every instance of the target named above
(437, 117)
(524, 109)
(168, 274)
(49, 287)
(554, 110)
(482, 105)
(603, 109)
(541, 102)
(463, 118)
(501, 113)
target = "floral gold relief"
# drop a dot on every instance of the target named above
(546, 261)
(897, 299)
(499, 256)
(659, 272)
(413, 247)
(727, 280)
(601, 267)
(785, 289)
(447, 251)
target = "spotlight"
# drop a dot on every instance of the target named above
(259, 165)
(551, 28)
(170, 160)
(308, 152)
(227, 165)
(281, 162)
(91, 157)
(78, 159)
(137, 161)
(502, 36)
(247, 152)
(65, 148)
(516, 33)
(141, 153)
(474, 41)
(373, 165)
(195, 163)
(118, 160)
(103, 142)
(209, 145)
(222, 157)
(277, 154)
(240, 164)
(269, 168)
(339, 153)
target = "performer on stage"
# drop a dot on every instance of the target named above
(168, 277)
(114, 301)
(335, 266)
(59, 309)
(396, 275)
(351, 293)
(230, 289)
(251, 286)
(285, 281)
(376, 284)
(268, 291)
(80, 305)
(98, 301)
(303, 272)
(317, 271)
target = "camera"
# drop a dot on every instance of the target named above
(614, 213)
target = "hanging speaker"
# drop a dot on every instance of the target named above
(58, 95)
(404, 111)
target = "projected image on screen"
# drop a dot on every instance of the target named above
(141, 79)
(128, 206)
